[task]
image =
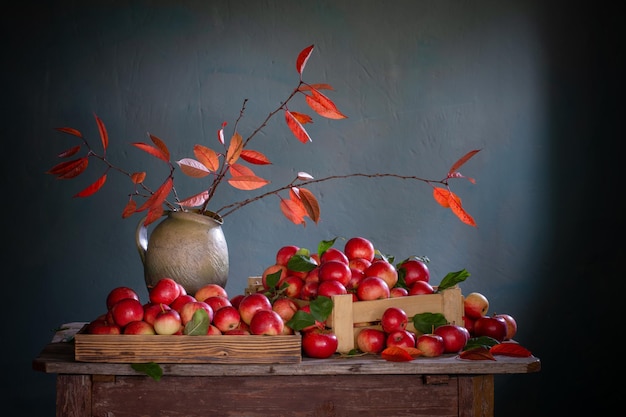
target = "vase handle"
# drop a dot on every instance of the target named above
(141, 239)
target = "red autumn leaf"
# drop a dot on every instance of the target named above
(157, 199)
(238, 170)
(441, 196)
(323, 106)
(296, 128)
(302, 118)
(156, 152)
(308, 87)
(69, 169)
(247, 182)
(293, 211)
(234, 149)
(457, 209)
(310, 203)
(510, 349)
(70, 152)
(70, 131)
(138, 177)
(193, 168)
(302, 59)
(462, 160)
(195, 200)
(93, 188)
(414, 352)
(477, 354)
(207, 156)
(396, 354)
(130, 209)
(104, 136)
(254, 157)
(161, 145)
(154, 214)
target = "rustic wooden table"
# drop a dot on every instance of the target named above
(356, 386)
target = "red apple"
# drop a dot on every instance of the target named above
(181, 300)
(494, 327)
(139, 327)
(401, 338)
(359, 264)
(372, 288)
(119, 293)
(333, 254)
(430, 344)
(475, 305)
(359, 247)
(217, 301)
(511, 325)
(213, 330)
(237, 332)
(313, 275)
(330, 288)
(251, 303)
(335, 271)
(370, 340)
(285, 307)
(398, 292)
(165, 291)
(103, 327)
(271, 270)
(355, 279)
(186, 313)
(209, 290)
(235, 300)
(420, 288)
(385, 270)
(226, 318)
(309, 290)
(455, 337)
(319, 344)
(167, 322)
(285, 253)
(468, 323)
(394, 318)
(126, 310)
(414, 270)
(150, 311)
(291, 286)
(267, 322)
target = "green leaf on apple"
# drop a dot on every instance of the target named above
(198, 325)
(482, 341)
(300, 263)
(426, 322)
(151, 369)
(324, 245)
(273, 278)
(453, 278)
(321, 307)
(301, 320)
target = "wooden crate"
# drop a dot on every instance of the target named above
(349, 317)
(224, 349)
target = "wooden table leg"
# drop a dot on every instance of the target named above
(476, 396)
(73, 395)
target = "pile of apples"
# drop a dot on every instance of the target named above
(355, 270)
(170, 309)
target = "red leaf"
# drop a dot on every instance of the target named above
(441, 196)
(296, 128)
(154, 214)
(207, 156)
(396, 354)
(159, 196)
(302, 118)
(161, 145)
(193, 168)
(310, 204)
(93, 188)
(462, 160)
(293, 211)
(308, 87)
(69, 169)
(234, 149)
(477, 354)
(70, 152)
(195, 200)
(510, 349)
(104, 136)
(130, 209)
(323, 106)
(70, 131)
(302, 59)
(156, 152)
(254, 157)
(138, 177)
(247, 182)
(457, 209)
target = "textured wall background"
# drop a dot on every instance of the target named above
(532, 85)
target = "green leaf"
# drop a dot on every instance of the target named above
(151, 369)
(300, 320)
(273, 278)
(321, 307)
(482, 341)
(452, 278)
(199, 323)
(324, 245)
(301, 263)
(426, 322)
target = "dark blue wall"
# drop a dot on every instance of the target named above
(422, 82)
